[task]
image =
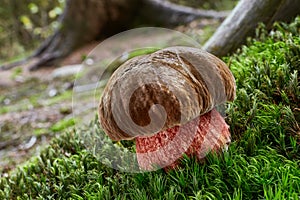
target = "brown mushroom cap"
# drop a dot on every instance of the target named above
(169, 87)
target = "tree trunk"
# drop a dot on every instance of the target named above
(81, 23)
(243, 20)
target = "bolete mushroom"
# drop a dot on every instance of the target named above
(166, 100)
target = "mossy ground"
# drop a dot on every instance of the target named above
(263, 162)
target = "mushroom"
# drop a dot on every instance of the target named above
(167, 101)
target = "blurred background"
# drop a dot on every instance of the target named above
(25, 24)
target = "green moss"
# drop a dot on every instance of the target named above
(261, 163)
(268, 91)
(67, 95)
(4, 110)
(62, 125)
(16, 72)
(40, 131)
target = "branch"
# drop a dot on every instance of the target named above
(167, 13)
(243, 20)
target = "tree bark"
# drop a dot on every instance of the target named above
(165, 13)
(81, 23)
(243, 20)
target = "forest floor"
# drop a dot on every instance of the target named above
(262, 161)
(37, 106)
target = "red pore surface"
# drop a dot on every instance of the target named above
(208, 132)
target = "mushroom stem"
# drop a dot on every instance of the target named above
(164, 149)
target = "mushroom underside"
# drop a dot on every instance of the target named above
(198, 137)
